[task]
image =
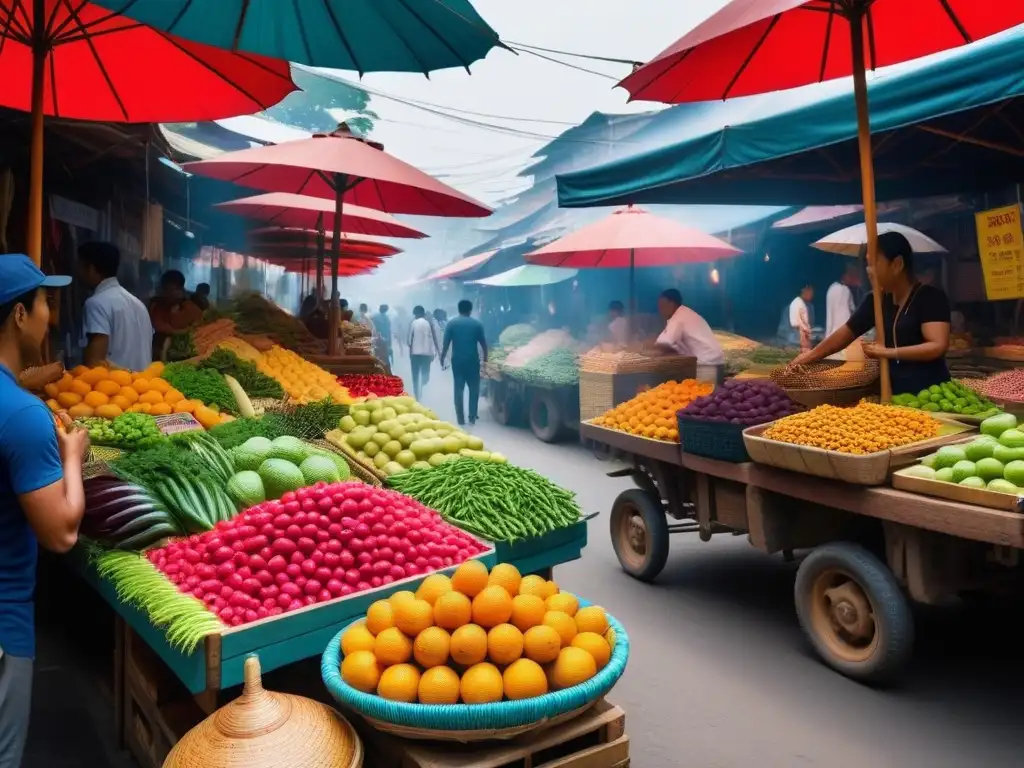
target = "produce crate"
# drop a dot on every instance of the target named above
(713, 440)
(866, 469)
(594, 739)
(542, 552)
(980, 496)
(279, 640)
(602, 391)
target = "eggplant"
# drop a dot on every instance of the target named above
(124, 515)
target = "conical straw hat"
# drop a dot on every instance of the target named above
(262, 729)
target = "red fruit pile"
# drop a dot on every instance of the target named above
(362, 384)
(311, 546)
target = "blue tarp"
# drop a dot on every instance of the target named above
(945, 124)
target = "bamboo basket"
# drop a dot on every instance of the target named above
(866, 469)
(600, 391)
(811, 398)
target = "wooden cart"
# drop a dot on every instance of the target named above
(873, 550)
(550, 412)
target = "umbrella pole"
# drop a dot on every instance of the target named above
(632, 292)
(340, 182)
(867, 179)
(35, 194)
(320, 245)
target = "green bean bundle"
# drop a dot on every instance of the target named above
(500, 502)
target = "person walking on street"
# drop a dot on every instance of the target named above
(42, 498)
(423, 345)
(382, 324)
(465, 336)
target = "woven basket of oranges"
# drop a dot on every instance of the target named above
(475, 657)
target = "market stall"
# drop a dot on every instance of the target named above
(896, 502)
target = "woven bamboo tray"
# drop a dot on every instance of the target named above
(827, 375)
(978, 496)
(628, 362)
(867, 469)
(811, 398)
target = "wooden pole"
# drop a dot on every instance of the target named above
(320, 245)
(334, 316)
(35, 188)
(867, 180)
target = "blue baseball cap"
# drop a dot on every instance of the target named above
(19, 275)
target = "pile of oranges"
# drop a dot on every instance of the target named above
(477, 637)
(305, 382)
(652, 413)
(107, 393)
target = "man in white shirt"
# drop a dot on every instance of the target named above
(687, 333)
(839, 304)
(116, 324)
(800, 316)
(618, 326)
(423, 344)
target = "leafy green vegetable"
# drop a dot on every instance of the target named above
(234, 433)
(205, 384)
(254, 382)
(169, 459)
(182, 346)
(557, 368)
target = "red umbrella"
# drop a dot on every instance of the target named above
(73, 59)
(757, 47)
(345, 169)
(284, 209)
(631, 237)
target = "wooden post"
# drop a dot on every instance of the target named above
(334, 316)
(867, 180)
(35, 188)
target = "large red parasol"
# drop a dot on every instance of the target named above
(345, 169)
(756, 47)
(73, 59)
(284, 209)
(631, 237)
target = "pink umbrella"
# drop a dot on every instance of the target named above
(284, 209)
(632, 237)
(345, 169)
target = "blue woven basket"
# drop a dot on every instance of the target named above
(501, 719)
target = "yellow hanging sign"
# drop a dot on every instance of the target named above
(1001, 248)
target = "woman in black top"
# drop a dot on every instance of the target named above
(916, 332)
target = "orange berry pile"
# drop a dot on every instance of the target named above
(652, 413)
(865, 428)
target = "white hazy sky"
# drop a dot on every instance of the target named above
(483, 162)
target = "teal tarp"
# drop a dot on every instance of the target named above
(935, 123)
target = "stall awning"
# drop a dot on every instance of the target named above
(944, 124)
(462, 266)
(527, 275)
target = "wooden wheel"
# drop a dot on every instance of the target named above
(639, 534)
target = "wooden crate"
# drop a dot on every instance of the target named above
(595, 739)
(600, 392)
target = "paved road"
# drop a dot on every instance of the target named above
(720, 676)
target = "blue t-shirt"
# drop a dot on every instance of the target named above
(463, 336)
(29, 460)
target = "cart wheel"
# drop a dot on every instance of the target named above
(639, 534)
(504, 407)
(854, 613)
(545, 416)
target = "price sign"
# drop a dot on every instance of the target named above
(1001, 247)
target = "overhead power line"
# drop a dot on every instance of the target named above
(564, 63)
(610, 60)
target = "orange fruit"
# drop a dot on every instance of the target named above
(78, 370)
(68, 399)
(184, 406)
(468, 645)
(470, 578)
(94, 376)
(439, 685)
(533, 585)
(541, 644)
(493, 606)
(159, 386)
(527, 611)
(79, 387)
(80, 411)
(51, 390)
(550, 589)
(362, 671)
(95, 399)
(563, 624)
(64, 385)
(121, 378)
(481, 684)
(357, 638)
(399, 597)
(413, 616)
(151, 396)
(160, 409)
(524, 679)
(108, 387)
(129, 394)
(379, 617)
(143, 407)
(572, 667)
(108, 411)
(173, 396)
(504, 644)
(392, 647)
(431, 647)
(121, 402)
(595, 645)
(400, 682)
(206, 416)
(507, 576)
(53, 405)
(564, 602)
(435, 585)
(452, 610)
(140, 385)
(592, 619)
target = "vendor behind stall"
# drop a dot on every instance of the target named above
(916, 319)
(686, 333)
(172, 311)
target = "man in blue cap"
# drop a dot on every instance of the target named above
(41, 494)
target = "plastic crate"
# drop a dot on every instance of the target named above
(713, 440)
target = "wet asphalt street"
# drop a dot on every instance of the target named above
(720, 676)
